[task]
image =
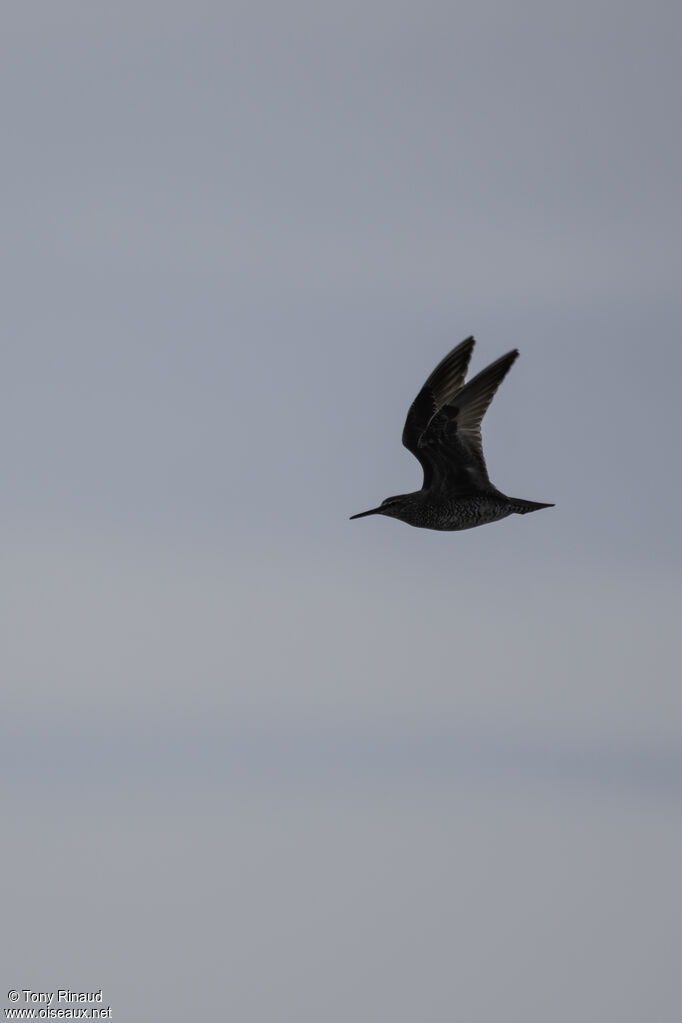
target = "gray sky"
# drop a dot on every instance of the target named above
(260, 762)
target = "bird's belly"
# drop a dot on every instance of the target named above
(465, 513)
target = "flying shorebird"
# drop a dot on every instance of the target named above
(443, 431)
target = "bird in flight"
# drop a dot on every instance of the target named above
(443, 431)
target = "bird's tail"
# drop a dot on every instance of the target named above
(522, 507)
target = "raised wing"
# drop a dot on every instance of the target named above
(443, 425)
(445, 381)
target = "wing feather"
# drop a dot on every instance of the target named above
(441, 386)
(443, 425)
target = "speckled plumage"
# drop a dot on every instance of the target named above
(443, 431)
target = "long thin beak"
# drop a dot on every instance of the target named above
(361, 515)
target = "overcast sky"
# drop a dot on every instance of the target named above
(260, 762)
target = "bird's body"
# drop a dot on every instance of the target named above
(443, 431)
(449, 512)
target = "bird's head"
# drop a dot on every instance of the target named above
(393, 506)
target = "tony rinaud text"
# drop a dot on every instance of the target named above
(62, 994)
